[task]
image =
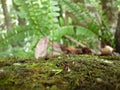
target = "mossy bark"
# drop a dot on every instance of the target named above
(81, 72)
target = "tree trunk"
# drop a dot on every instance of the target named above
(117, 35)
(111, 14)
(6, 15)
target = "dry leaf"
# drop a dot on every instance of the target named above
(107, 50)
(56, 47)
(52, 54)
(41, 47)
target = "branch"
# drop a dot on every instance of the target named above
(78, 43)
(74, 41)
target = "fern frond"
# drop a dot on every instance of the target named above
(13, 36)
(62, 31)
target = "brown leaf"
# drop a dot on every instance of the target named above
(107, 50)
(86, 50)
(41, 47)
(52, 54)
(70, 50)
(56, 47)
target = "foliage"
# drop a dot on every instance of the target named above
(46, 17)
(82, 13)
(41, 20)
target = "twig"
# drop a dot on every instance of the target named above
(77, 43)
(74, 41)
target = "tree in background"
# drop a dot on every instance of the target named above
(117, 35)
(110, 12)
(6, 15)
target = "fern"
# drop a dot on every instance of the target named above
(41, 19)
(81, 13)
(68, 30)
(9, 37)
(62, 31)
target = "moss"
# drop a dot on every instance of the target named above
(69, 72)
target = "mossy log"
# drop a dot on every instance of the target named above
(78, 72)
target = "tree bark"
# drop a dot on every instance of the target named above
(111, 14)
(6, 15)
(117, 35)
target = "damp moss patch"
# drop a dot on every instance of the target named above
(70, 72)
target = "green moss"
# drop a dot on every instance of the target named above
(68, 72)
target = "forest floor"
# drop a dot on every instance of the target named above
(70, 72)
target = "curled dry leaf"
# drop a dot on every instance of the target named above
(107, 50)
(56, 47)
(41, 47)
(86, 50)
(56, 50)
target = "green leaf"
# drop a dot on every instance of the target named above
(84, 31)
(60, 32)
